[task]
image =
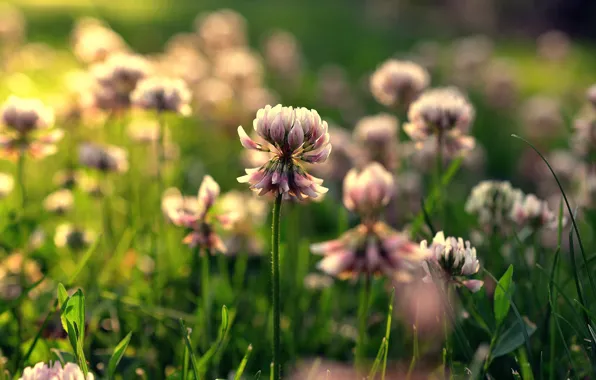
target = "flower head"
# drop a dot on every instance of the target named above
(93, 41)
(107, 158)
(162, 94)
(221, 30)
(42, 371)
(378, 136)
(17, 272)
(456, 257)
(292, 138)
(199, 217)
(443, 114)
(59, 202)
(368, 191)
(398, 82)
(26, 128)
(247, 213)
(369, 249)
(492, 202)
(73, 237)
(239, 67)
(533, 212)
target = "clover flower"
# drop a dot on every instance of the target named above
(42, 371)
(345, 156)
(378, 137)
(293, 137)
(13, 26)
(174, 204)
(533, 212)
(553, 45)
(500, 84)
(221, 30)
(27, 127)
(492, 202)
(583, 140)
(117, 77)
(456, 257)
(443, 115)
(398, 83)
(106, 158)
(283, 55)
(162, 95)
(371, 250)
(93, 41)
(73, 237)
(200, 218)
(59, 202)
(240, 67)
(368, 191)
(542, 118)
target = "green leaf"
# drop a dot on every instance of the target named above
(503, 292)
(512, 338)
(242, 365)
(118, 354)
(77, 346)
(62, 304)
(223, 329)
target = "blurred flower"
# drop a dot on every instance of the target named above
(241, 68)
(90, 185)
(6, 184)
(117, 77)
(591, 95)
(533, 212)
(93, 41)
(470, 54)
(456, 258)
(162, 95)
(377, 138)
(553, 45)
(314, 281)
(213, 98)
(75, 238)
(248, 213)
(500, 85)
(443, 115)
(427, 54)
(329, 370)
(566, 166)
(344, 157)
(59, 202)
(368, 191)
(143, 131)
(583, 140)
(42, 371)
(106, 158)
(587, 193)
(423, 309)
(175, 204)
(335, 91)
(26, 128)
(185, 63)
(252, 99)
(369, 249)
(542, 118)
(293, 137)
(221, 30)
(398, 83)
(17, 271)
(405, 201)
(198, 217)
(492, 202)
(283, 55)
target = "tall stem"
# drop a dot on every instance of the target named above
(275, 288)
(206, 295)
(438, 185)
(160, 143)
(362, 322)
(21, 180)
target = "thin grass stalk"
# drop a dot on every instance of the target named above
(206, 296)
(275, 276)
(438, 183)
(21, 180)
(362, 321)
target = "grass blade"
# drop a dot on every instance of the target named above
(84, 260)
(242, 365)
(118, 354)
(193, 359)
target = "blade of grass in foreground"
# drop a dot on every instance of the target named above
(193, 359)
(242, 365)
(571, 214)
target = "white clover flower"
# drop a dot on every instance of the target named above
(42, 371)
(59, 202)
(292, 138)
(162, 95)
(492, 203)
(533, 212)
(398, 82)
(456, 257)
(368, 191)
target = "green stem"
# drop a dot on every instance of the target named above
(275, 288)
(160, 143)
(206, 295)
(438, 175)
(448, 348)
(362, 322)
(107, 211)
(21, 180)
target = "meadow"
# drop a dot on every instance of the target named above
(225, 191)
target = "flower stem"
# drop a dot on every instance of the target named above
(206, 295)
(21, 180)
(275, 288)
(362, 322)
(438, 185)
